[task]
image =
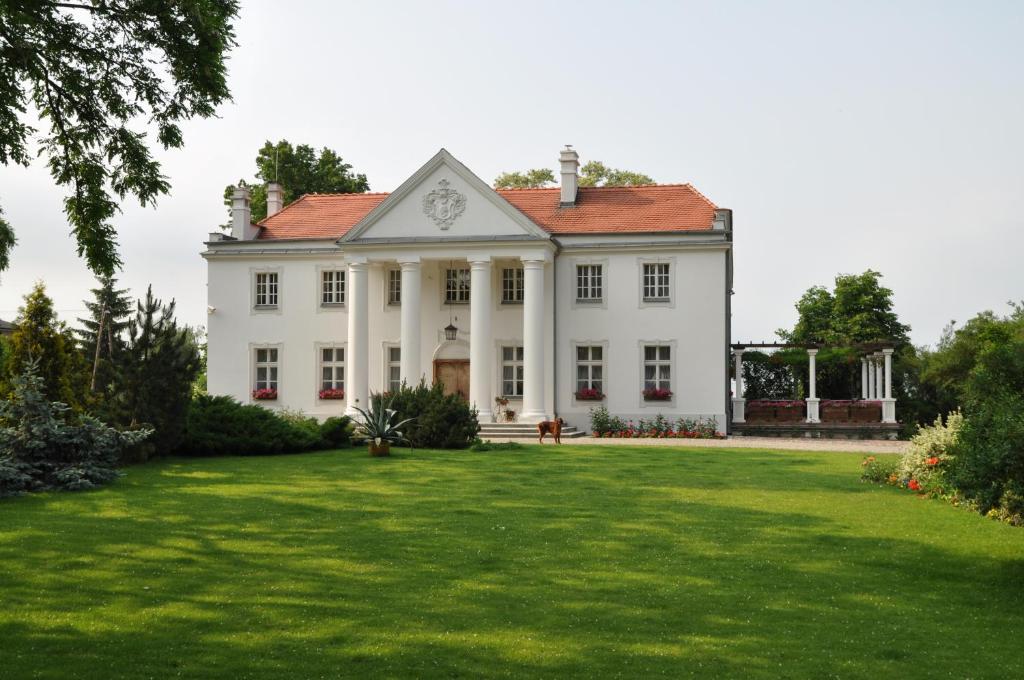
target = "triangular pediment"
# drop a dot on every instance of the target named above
(444, 200)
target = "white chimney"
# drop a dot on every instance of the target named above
(241, 212)
(570, 161)
(275, 198)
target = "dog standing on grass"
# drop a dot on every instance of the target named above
(552, 427)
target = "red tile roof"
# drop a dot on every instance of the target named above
(598, 210)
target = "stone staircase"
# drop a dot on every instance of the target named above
(522, 431)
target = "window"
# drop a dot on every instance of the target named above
(657, 367)
(512, 285)
(456, 286)
(394, 369)
(394, 286)
(332, 290)
(332, 368)
(589, 283)
(656, 282)
(589, 368)
(266, 369)
(512, 371)
(266, 289)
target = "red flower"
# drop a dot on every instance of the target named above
(934, 460)
(913, 485)
(589, 394)
(265, 394)
(332, 394)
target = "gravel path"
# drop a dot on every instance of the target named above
(777, 443)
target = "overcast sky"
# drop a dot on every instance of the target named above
(844, 136)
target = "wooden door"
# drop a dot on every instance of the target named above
(454, 375)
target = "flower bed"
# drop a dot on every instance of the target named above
(775, 411)
(608, 426)
(265, 394)
(589, 395)
(332, 394)
(657, 394)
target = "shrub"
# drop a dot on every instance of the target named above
(44, 446)
(221, 426)
(479, 445)
(929, 455)
(336, 432)
(880, 471)
(604, 425)
(442, 421)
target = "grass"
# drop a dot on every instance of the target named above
(586, 562)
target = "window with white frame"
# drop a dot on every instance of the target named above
(266, 368)
(456, 286)
(589, 368)
(512, 371)
(266, 289)
(589, 283)
(394, 286)
(512, 285)
(657, 367)
(332, 287)
(332, 368)
(656, 282)
(394, 369)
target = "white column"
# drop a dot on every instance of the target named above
(863, 378)
(739, 403)
(481, 354)
(879, 378)
(871, 377)
(888, 403)
(356, 360)
(812, 383)
(534, 409)
(410, 355)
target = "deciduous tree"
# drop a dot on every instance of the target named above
(530, 179)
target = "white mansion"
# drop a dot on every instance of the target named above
(557, 299)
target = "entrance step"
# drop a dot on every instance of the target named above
(522, 431)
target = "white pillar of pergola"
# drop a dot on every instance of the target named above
(813, 413)
(863, 378)
(739, 404)
(871, 377)
(888, 402)
(879, 377)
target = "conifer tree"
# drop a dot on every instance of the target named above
(101, 336)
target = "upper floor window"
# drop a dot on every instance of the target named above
(511, 371)
(512, 285)
(332, 289)
(589, 283)
(656, 282)
(456, 286)
(266, 289)
(394, 355)
(394, 286)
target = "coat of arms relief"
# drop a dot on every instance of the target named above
(444, 204)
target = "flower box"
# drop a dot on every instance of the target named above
(775, 411)
(655, 394)
(265, 394)
(589, 395)
(332, 394)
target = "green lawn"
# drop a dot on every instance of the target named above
(554, 562)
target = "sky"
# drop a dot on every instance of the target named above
(844, 136)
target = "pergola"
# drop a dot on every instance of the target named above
(875, 377)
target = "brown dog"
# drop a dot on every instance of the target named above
(552, 427)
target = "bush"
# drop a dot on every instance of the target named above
(884, 471)
(441, 421)
(336, 432)
(221, 426)
(929, 455)
(479, 445)
(44, 446)
(659, 427)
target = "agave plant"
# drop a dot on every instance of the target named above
(377, 423)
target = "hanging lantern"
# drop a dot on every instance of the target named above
(450, 332)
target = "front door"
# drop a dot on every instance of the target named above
(454, 375)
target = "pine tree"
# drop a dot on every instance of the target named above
(156, 370)
(41, 338)
(101, 336)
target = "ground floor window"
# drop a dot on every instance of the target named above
(332, 368)
(657, 367)
(590, 369)
(512, 371)
(394, 369)
(266, 369)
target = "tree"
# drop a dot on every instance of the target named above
(858, 310)
(299, 170)
(101, 335)
(597, 174)
(157, 368)
(94, 71)
(41, 338)
(530, 179)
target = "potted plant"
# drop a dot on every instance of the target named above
(377, 425)
(589, 394)
(265, 394)
(334, 393)
(657, 394)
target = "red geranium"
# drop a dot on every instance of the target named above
(332, 394)
(934, 460)
(913, 485)
(265, 394)
(589, 394)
